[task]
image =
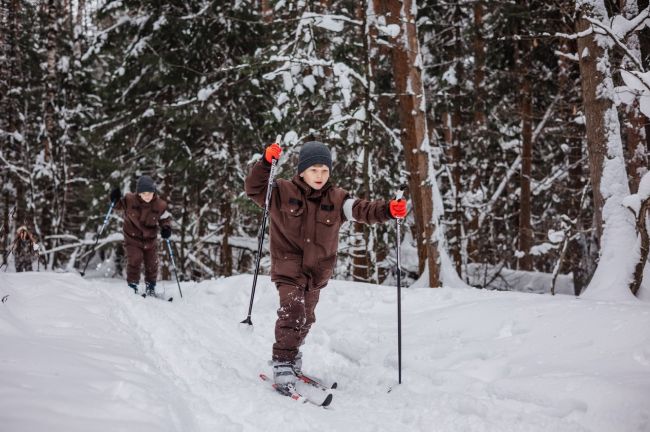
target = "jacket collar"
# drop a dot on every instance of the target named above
(143, 202)
(307, 190)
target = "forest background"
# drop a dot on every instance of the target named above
(519, 126)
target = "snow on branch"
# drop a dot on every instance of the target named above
(623, 27)
(639, 84)
(337, 67)
(572, 36)
(330, 22)
(617, 41)
(15, 169)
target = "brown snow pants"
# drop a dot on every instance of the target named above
(295, 318)
(135, 256)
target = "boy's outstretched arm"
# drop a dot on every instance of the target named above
(371, 212)
(257, 179)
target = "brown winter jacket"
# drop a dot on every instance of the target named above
(141, 219)
(305, 223)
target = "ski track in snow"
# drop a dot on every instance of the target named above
(87, 354)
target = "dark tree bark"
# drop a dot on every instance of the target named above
(408, 83)
(526, 113)
(595, 108)
(642, 231)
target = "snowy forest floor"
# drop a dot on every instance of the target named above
(88, 355)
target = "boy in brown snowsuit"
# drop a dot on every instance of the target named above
(306, 214)
(144, 212)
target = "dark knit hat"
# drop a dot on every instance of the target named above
(145, 184)
(314, 153)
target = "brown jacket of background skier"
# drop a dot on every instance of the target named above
(142, 219)
(305, 223)
(141, 222)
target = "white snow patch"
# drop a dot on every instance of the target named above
(84, 354)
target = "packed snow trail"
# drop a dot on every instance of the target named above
(86, 354)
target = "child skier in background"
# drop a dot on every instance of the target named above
(306, 214)
(25, 249)
(144, 212)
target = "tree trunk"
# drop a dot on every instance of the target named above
(606, 161)
(642, 229)
(407, 74)
(226, 249)
(595, 109)
(362, 262)
(637, 164)
(644, 47)
(480, 98)
(526, 112)
(450, 128)
(49, 137)
(454, 157)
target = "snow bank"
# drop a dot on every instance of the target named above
(82, 355)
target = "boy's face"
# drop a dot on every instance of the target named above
(146, 196)
(316, 176)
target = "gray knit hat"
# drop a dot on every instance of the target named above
(313, 153)
(145, 184)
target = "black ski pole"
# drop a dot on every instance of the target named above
(101, 230)
(398, 225)
(171, 255)
(267, 205)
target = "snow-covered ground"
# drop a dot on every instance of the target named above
(86, 355)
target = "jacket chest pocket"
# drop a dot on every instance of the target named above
(328, 223)
(292, 211)
(151, 221)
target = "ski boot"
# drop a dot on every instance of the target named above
(150, 288)
(297, 364)
(134, 287)
(284, 374)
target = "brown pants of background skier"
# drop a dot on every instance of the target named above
(135, 256)
(23, 264)
(295, 317)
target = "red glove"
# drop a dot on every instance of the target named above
(398, 208)
(272, 152)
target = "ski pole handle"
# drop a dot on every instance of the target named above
(400, 193)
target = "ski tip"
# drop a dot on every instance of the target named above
(327, 401)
